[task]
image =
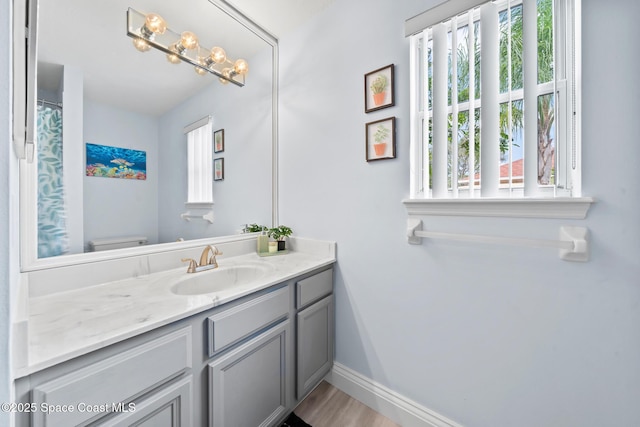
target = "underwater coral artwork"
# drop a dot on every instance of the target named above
(115, 162)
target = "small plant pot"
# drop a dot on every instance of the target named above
(378, 98)
(380, 148)
(281, 245)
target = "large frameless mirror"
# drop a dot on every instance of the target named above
(111, 156)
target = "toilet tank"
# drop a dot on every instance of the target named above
(116, 243)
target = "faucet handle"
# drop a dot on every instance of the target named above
(192, 264)
(212, 260)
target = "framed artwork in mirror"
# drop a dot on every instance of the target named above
(381, 139)
(378, 89)
(218, 169)
(114, 162)
(218, 141)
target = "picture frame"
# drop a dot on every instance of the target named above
(115, 162)
(218, 141)
(379, 90)
(218, 169)
(380, 139)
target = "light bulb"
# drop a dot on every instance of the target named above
(141, 44)
(218, 55)
(202, 61)
(153, 24)
(188, 40)
(227, 73)
(173, 57)
(241, 66)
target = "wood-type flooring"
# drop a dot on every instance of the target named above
(327, 406)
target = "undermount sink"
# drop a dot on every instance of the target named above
(221, 278)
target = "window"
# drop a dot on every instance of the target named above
(200, 163)
(494, 100)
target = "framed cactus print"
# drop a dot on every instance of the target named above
(378, 89)
(381, 139)
(218, 141)
(218, 169)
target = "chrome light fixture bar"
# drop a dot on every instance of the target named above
(150, 30)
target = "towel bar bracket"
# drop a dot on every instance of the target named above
(577, 235)
(188, 216)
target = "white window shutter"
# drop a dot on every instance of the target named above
(200, 161)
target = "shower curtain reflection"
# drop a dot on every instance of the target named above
(52, 228)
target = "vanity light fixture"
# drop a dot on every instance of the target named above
(151, 30)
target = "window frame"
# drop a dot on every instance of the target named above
(562, 200)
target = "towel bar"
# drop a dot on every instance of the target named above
(572, 244)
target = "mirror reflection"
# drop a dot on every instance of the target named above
(95, 89)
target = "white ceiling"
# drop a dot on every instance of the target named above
(91, 35)
(280, 17)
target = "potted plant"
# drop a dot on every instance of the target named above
(254, 228)
(279, 234)
(381, 135)
(379, 87)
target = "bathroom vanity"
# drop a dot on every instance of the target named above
(161, 350)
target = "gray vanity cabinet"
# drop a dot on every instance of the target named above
(315, 330)
(249, 385)
(245, 363)
(250, 375)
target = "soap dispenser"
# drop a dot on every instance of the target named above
(263, 242)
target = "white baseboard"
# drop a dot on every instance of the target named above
(387, 402)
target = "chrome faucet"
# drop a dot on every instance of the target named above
(207, 262)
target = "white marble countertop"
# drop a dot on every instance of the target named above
(68, 324)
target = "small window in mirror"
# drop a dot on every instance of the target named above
(200, 162)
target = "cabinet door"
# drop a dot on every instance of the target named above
(315, 338)
(171, 406)
(248, 387)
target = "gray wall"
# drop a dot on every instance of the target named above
(121, 207)
(486, 335)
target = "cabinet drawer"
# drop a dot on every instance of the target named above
(116, 379)
(235, 324)
(313, 288)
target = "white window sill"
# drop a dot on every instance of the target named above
(563, 208)
(199, 205)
